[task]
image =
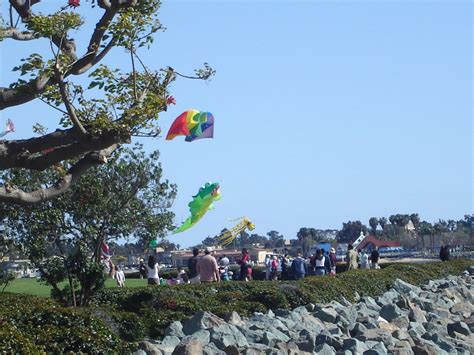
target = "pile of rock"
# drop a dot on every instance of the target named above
(434, 319)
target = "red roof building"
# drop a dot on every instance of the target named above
(370, 242)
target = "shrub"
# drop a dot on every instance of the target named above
(33, 325)
(158, 306)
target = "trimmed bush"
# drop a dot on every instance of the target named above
(158, 306)
(35, 325)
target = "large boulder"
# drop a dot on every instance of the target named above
(390, 312)
(227, 334)
(188, 347)
(328, 315)
(458, 327)
(378, 335)
(201, 320)
(203, 336)
(404, 287)
(149, 348)
(233, 318)
(175, 329)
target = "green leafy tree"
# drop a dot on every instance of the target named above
(98, 107)
(62, 237)
(351, 231)
(382, 222)
(374, 222)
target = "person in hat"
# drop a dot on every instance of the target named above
(207, 267)
(142, 269)
(332, 261)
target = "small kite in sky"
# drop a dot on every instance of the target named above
(9, 128)
(193, 124)
(228, 237)
(200, 204)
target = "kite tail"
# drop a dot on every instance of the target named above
(188, 223)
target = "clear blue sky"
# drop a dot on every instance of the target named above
(325, 111)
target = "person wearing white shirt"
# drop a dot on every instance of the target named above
(119, 277)
(153, 269)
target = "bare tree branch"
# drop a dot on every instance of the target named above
(14, 195)
(14, 154)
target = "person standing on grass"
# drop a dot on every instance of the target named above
(374, 258)
(319, 263)
(142, 269)
(298, 267)
(207, 267)
(245, 267)
(119, 276)
(153, 269)
(192, 266)
(364, 259)
(332, 261)
(351, 258)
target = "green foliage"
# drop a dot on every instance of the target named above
(125, 197)
(158, 306)
(57, 24)
(33, 325)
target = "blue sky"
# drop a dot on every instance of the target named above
(325, 111)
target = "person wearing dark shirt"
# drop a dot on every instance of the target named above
(192, 264)
(298, 267)
(374, 258)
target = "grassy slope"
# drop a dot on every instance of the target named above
(33, 287)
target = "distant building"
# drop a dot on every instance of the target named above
(370, 242)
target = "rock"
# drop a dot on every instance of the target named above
(463, 309)
(189, 347)
(416, 331)
(175, 329)
(458, 327)
(344, 302)
(252, 336)
(140, 352)
(357, 329)
(378, 335)
(425, 304)
(427, 348)
(370, 303)
(149, 348)
(379, 348)
(390, 312)
(388, 326)
(201, 320)
(306, 341)
(233, 318)
(231, 350)
(203, 336)
(211, 349)
(168, 344)
(287, 348)
(324, 349)
(416, 315)
(227, 334)
(404, 287)
(326, 315)
(355, 346)
(326, 338)
(387, 298)
(401, 322)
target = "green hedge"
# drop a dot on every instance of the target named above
(120, 317)
(156, 307)
(33, 325)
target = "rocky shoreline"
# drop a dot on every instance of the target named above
(433, 319)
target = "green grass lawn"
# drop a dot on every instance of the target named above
(33, 287)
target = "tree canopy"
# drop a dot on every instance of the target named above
(98, 107)
(63, 237)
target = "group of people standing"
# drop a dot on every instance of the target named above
(356, 258)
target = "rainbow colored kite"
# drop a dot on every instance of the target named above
(200, 204)
(193, 124)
